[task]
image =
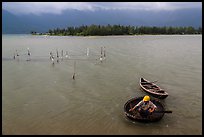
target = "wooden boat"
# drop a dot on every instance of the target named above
(153, 89)
(135, 115)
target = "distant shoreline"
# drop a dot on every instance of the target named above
(99, 35)
(109, 30)
(111, 35)
(43, 34)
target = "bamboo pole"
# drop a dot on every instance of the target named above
(73, 77)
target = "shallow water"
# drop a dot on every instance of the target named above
(41, 98)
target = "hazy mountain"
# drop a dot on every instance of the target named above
(42, 23)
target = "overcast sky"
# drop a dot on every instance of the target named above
(58, 7)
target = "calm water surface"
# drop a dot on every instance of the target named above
(41, 98)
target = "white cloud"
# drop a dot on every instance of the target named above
(58, 7)
(44, 7)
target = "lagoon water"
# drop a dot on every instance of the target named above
(41, 98)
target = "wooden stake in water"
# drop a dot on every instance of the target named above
(73, 77)
(66, 56)
(50, 55)
(104, 53)
(62, 54)
(28, 55)
(14, 56)
(87, 52)
(17, 53)
(29, 52)
(57, 56)
(101, 51)
(52, 58)
(101, 58)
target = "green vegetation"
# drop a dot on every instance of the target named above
(98, 30)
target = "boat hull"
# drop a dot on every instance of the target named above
(155, 95)
(152, 89)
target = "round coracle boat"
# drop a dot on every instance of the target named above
(135, 115)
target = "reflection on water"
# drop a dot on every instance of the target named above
(39, 97)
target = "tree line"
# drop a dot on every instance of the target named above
(100, 30)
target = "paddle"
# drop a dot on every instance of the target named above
(134, 112)
(131, 106)
(165, 111)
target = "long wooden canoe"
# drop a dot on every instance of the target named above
(153, 89)
(135, 115)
